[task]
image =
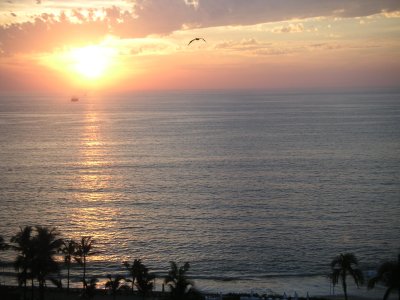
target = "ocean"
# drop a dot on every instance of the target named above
(257, 190)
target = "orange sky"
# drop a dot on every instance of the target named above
(120, 46)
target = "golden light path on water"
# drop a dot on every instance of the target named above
(93, 217)
(235, 184)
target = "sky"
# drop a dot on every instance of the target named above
(249, 44)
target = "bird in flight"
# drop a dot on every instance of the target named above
(196, 39)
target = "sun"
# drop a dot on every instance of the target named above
(91, 62)
(94, 66)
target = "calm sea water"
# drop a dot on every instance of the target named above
(256, 190)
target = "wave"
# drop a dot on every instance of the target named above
(253, 276)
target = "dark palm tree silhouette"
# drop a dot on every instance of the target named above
(144, 279)
(68, 249)
(84, 249)
(178, 282)
(114, 285)
(3, 245)
(46, 245)
(22, 243)
(389, 275)
(90, 290)
(133, 270)
(343, 265)
(140, 276)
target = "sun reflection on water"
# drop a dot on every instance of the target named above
(92, 178)
(94, 213)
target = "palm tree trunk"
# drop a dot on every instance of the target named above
(68, 278)
(32, 288)
(25, 289)
(344, 286)
(41, 289)
(398, 264)
(387, 293)
(84, 271)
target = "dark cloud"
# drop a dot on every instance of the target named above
(169, 15)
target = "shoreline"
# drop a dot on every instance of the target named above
(54, 293)
(316, 286)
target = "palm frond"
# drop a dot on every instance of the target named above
(56, 282)
(372, 282)
(357, 276)
(3, 245)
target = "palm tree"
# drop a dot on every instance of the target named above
(114, 284)
(46, 245)
(343, 265)
(3, 245)
(389, 274)
(144, 280)
(178, 282)
(133, 271)
(84, 249)
(140, 276)
(22, 243)
(68, 249)
(90, 290)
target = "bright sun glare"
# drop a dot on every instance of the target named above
(91, 61)
(92, 66)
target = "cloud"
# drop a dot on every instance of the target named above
(149, 47)
(46, 31)
(290, 28)
(194, 3)
(254, 47)
(238, 12)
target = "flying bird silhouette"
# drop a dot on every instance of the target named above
(196, 39)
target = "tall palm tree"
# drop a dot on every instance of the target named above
(343, 265)
(84, 249)
(144, 280)
(133, 271)
(140, 276)
(178, 281)
(114, 284)
(389, 274)
(46, 245)
(68, 249)
(22, 243)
